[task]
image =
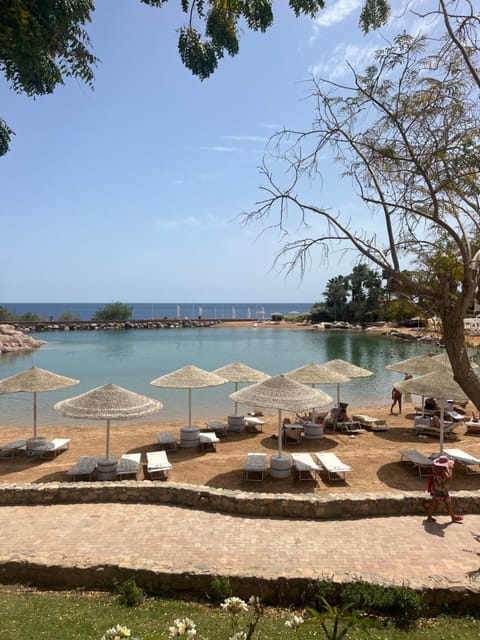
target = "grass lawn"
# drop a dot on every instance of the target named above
(72, 615)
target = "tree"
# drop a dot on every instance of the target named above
(43, 42)
(335, 294)
(113, 312)
(407, 132)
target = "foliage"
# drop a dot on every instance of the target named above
(319, 591)
(129, 593)
(30, 316)
(406, 132)
(114, 311)
(358, 297)
(6, 315)
(376, 599)
(220, 589)
(335, 621)
(43, 42)
(68, 316)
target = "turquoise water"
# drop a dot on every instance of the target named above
(132, 359)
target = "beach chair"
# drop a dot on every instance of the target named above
(53, 448)
(473, 428)
(305, 466)
(349, 427)
(219, 428)
(167, 441)
(419, 461)
(371, 424)
(158, 465)
(423, 426)
(455, 416)
(129, 465)
(255, 467)
(8, 451)
(333, 465)
(292, 434)
(465, 459)
(84, 468)
(254, 424)
(208, 441)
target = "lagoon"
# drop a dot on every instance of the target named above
(132, 359)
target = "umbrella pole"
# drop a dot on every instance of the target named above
(189, 406)
(34, 414)
(107, 443)
(280, 433)
(338, 395)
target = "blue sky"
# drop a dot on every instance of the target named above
(132, 192)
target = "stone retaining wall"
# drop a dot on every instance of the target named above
(308, 506)
(88, 325)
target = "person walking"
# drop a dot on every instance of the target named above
(397, 399)
(438, 485)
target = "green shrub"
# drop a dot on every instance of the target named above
(68, 316)
(407, 603)
(115, 311)
(400, 602)
(318, 592)
(129, 593)
(220, 589)
(6, 315)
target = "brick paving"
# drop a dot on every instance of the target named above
(402, 550)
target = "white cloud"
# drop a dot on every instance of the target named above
(245, 138)
(336, 65)
(334, 14)
(219, 149)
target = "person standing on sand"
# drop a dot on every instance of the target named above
(397, 399)
(438, 485)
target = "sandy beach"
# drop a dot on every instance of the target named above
(374, 456)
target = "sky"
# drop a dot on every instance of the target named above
(134, 191)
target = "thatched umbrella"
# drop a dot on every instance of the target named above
(109, 402)
(189, 377)
(35, 381)
(281, 393)
(347, 369)
(237, 372)
(418, 366)
(440, 385)
(317, 374)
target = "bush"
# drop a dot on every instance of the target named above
(115, 311)
(220, 589)
(400, 602)
(406, 603)
(68, 316)
(6, 315)
(129, 593)
(318, 592)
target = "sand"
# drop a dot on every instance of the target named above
(374, 456)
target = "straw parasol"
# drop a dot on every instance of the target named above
(35, 381)
(418, 366)
(237, 372)
(109, 402)
(281, 393)
(189, 377)
(440, 385)
(317, 374)
(347, 369)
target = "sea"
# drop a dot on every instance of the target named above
(133, 358)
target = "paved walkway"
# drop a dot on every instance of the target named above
(162, 538)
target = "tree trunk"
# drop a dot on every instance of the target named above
(454, 340)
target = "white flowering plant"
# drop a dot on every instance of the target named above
(117, 633)
(183, 627)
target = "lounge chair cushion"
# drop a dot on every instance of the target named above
(305, 466)
(255, 466)
(158, 464)
(332, 464)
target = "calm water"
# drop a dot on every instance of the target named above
(132, 359)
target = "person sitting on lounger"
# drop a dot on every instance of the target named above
(342, 413)
(431, 404)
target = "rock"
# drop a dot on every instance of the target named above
(12, 339)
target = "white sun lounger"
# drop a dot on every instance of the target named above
(465, 459)
(53, 448)
(9, 450)
(167, 441)
(158, 465)
(208, 441)
(129, 465)
(372, 424)
(305, 466)
(85, 467)
(255, 467)
(333, 465)
(421, 462)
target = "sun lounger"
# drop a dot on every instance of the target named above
(219, 428)
(423, 426)
(53, 448)
(292, 433)
(305, 466)
(8, 451)
(419, 461)
(158, 465)
(349, 427)
(84, 468)
(255, 467)
(372, 424)
(473, 428)
(333, 465)
(455, 416)
(254, 424)
(129, 465)
(208, 441)
(167, 441)
(465, 459)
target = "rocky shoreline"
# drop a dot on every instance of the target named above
(42, 326)
(12, 339)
